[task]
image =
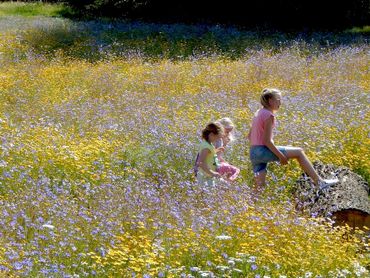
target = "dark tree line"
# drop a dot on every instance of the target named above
(249, 13)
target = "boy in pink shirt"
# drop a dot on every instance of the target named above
(259, 119)
(263, 148)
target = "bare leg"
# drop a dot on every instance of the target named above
(260, 178)
(306, 165)
(260, 181)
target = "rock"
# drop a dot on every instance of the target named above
(346, 202)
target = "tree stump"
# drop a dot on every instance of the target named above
(345, 203)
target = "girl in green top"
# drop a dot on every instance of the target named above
(207, 162)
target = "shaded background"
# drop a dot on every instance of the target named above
(280, 14)
(276, 14)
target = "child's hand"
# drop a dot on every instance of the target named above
(220, 149)
(216, 175)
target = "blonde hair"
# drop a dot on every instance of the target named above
(227, 123)
(267, 94)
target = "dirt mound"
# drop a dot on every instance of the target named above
(347, 202)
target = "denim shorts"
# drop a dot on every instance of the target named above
(261, 155)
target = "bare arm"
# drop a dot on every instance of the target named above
(203, 165)
(249, 133)
(268, 142)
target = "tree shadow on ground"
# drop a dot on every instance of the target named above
(98, 39)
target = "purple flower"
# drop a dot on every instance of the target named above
(18, 265)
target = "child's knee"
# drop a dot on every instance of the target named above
(301, 153)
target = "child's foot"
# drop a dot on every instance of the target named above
(324, 184)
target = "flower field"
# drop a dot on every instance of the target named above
(100, 124)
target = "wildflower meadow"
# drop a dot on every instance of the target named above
(100, 125)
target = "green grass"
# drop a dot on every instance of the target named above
(361, 30)
(33, 9)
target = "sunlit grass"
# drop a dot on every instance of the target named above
(32, 9)
(363, 29)
(96, 154)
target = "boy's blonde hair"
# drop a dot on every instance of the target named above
(268, 93)
(227, 123)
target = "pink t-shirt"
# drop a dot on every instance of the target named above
(258, 126)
